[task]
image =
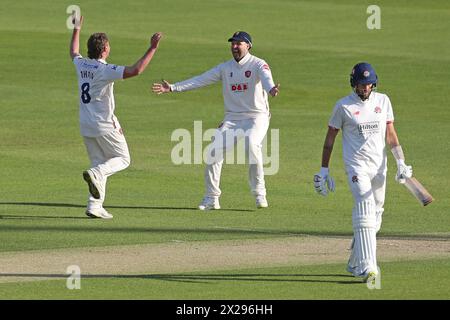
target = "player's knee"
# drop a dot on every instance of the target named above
(254, 149)
(364, 214)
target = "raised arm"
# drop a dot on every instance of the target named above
(75, 41)
(143, 62)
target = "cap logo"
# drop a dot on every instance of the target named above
(366, 73)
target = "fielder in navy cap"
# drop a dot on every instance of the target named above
(246, 84)
(241, 36)
(241, 43)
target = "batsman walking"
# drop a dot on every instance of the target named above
(246, 83)
(100, 128)
(367, 123)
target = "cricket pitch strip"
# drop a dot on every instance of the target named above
(178, 257)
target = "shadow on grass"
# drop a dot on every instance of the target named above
(71, 205)
(106, 226)
(204, 278)
(35, 217)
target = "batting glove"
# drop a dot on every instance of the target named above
(323, 182)
(403, 172)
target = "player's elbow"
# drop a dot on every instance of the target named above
(131, 72)
(73, 54)
(137, 70)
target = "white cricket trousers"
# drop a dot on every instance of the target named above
(108, 154)
(368, 191)
(227, 135)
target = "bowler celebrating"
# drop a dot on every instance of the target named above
(246, 83)
(100, 128)
(367, 123)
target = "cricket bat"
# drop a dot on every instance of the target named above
(418, 191)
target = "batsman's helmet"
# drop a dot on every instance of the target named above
(363, 73)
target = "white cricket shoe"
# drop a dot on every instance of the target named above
(209, 203)
(370, 277)
(261, 202)
(93, 183)
(99, 213)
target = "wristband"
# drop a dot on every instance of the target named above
(324, 171)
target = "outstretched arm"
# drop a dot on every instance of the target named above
(275, 90)
(266, 79)
(162, 87)
(207, 78)
(143, 62)
(75, 41)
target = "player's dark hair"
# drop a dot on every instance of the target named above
(96, 45)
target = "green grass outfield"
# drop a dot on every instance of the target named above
(311, 47)
(399, 280)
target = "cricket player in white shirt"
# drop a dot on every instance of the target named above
(101, 131)
(246, 83)
(367, 123)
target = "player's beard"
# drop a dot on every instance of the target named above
(363, 94)
(237, 54)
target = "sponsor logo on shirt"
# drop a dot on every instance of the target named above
(248, 73)
(91, 66)
(114, 67)
(239, 87)
(367, 129)
(231, 74)
(355, 179)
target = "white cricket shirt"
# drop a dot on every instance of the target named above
(95, 84)
(363, 125)
(245, 85)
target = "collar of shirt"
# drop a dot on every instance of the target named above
(358, 99)
(102, 61)
(244, 59)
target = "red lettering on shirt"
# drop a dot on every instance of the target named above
(239, 87)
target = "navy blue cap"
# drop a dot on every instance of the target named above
(241, 36)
